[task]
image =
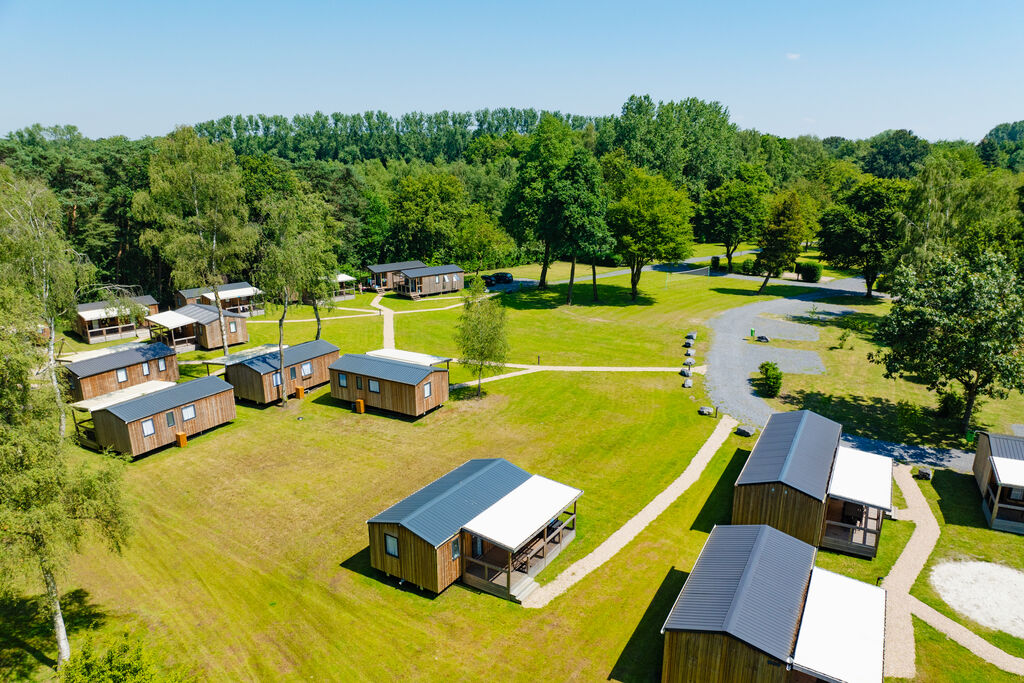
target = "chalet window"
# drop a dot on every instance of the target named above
(359, 383)
(391, 545)
(291, 372)
(307, 369)
(342, 379)
(1016, 494)
(455, 549)
(276, 379)
(232, 327)
(170, 419)
(145, 368)
(122, 375)
(147, 428)
(188, 412)
(374, 386)
(161, 364)
(426, 390)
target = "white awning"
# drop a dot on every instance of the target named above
(120, 396)
(1009, 472)
(408, 356)
(842, 632)
(233, 293)
(172, 320)
(342, 277)
(523, 512)
(861, 477)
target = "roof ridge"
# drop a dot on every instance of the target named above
(748, 571)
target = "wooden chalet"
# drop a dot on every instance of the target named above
(755, 608)
(386, 384)
(260, 380)
(799, 480)
(487, 523)
(143, 424)
(999, 471)
(197, 326)
(237, 297)
(122, 369)
(417, 282)
(386, 276)
(102, 321)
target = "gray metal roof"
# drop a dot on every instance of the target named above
(1006, 446)
(389, 267)
(431, 270)
(166, 399)
(750, 581)
(194, 292)
(437, 511)
(144, 300)
(797, 449)
(384, 368)
(299, 353)
(204, 314)
(121, 359)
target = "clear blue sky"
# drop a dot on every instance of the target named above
(943, 69)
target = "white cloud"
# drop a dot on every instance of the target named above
(792, 56)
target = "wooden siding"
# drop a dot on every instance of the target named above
(417, 560)
(126, 437)
(399, 398)
(252, 386)
(208, 336)
(782, 507)
(704, 657)
(983, 462)
(105, 382)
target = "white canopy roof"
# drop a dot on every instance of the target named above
(120, 396)
(1009, 472)
(408, 356)
(230, 292)
(172, 320)
(342, 277)
(861, 477)
(520, 514)
(842, 632)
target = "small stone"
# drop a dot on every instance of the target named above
(689, 361)
(686, 372)
(706, 410)
(691, 352)
(746, 430)
(687, 384)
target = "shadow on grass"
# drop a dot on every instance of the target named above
(640, 660)
(718, 507)
(360, 564)
(26, 631)
(959, 499)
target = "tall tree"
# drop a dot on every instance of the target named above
(195, 198)
(782, 236)
(732, 214)
(956, 321)
(650, 222)
(482, 332)
(582, 205)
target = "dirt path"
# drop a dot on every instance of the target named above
(628, 531)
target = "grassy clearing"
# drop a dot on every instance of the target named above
(941, 660)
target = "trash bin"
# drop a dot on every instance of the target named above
(181, 438)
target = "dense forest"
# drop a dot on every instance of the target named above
(499, 187)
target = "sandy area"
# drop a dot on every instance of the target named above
(990, 594)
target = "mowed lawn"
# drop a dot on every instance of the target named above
(249, 559)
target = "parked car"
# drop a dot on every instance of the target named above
(503, 278)
(488, 280)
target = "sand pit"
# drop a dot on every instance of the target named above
(990, 594)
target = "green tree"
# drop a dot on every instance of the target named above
(782, 236)
(195, 198)
(482, 332)
(582, 205)
(732, 213)
(650, 222)
(956, 321)
(864, 231)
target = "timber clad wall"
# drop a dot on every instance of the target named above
(418, 562)
(393, 396)
(252, 386)
(781, 507)
(209, 335)
(105, 382)
(691, 657)
(211, 412)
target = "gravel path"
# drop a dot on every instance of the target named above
(989, 593)
(628, 531)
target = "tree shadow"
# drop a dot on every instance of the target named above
(26, 631)
(959, 498)
(717, 509)
(359, 563)
(640, 660)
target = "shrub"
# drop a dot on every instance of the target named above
(809, 271)
(771, 379)
(716, 263)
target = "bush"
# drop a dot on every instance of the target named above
(771, 379)
(716, 263)
(809, 271)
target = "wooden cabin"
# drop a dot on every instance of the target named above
(237, 297)
(146, 423)
(386, 384)
(799, 480)
(487, 523)
(197, 326)
(999, 472)
(120, 370)
(417, 282)
(386, 276)
(259, 379)
(755, 608)
(101, 321)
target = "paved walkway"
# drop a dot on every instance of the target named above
(628, 531)
(389, 321)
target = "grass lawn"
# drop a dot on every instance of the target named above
(941, 660)
(956, 503)
(261, 523)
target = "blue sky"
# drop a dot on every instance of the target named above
(943, 69)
